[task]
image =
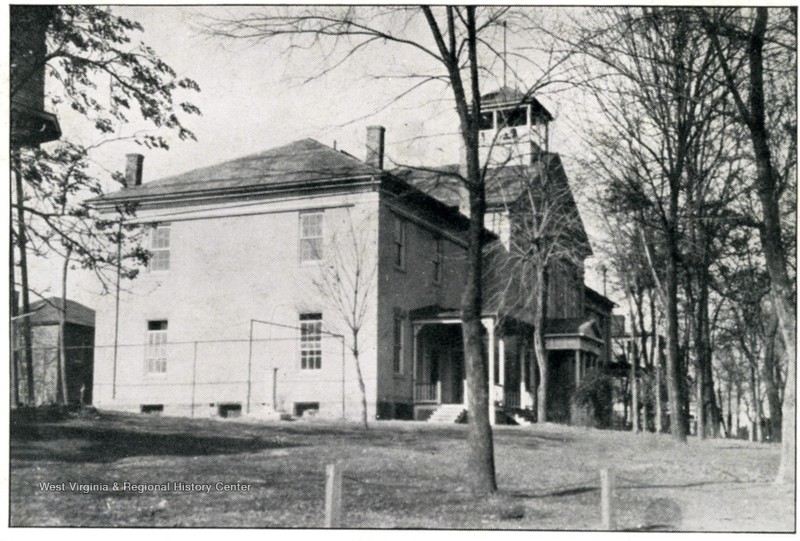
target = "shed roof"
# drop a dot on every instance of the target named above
(48, 312)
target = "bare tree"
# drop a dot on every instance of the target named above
(347, 282)
(655, 89)
(547, 246)
(750, 51)
(455, 36)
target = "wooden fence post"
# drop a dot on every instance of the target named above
(607, 499)
(333, 496)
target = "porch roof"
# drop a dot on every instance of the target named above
(573, 334)
(579, 327)
(435, 312)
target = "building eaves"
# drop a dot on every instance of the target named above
(304, 164)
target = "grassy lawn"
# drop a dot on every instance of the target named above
(397, 475)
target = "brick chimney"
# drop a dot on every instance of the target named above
(133, 169)
(375, 146)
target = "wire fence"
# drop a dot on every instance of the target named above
(207, 377)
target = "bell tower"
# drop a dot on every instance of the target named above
(513, 128)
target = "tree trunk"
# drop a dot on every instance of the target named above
(730, 413)
(708, 420)
(362, 387)
(647, 362)
(14, 311)
(480, 460)
(659, 406)
(539, 322)
(635, 428)
(772, 386)
(634, 360)
(738, 408)
(676, 425)
(701, 406)
(24, 321)
(755, 435)
(62, 331)
(534, 381)
(771, 239)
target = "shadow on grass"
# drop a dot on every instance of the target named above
(574, 491)
(78, 444)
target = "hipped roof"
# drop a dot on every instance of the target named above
(303, 162)
(506, 96)
(301, 165)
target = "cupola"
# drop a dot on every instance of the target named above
(513, 128)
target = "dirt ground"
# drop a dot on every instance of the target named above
(397, 475)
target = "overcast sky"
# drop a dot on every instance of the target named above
(254, 97)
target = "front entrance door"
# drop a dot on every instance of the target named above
(452, 366)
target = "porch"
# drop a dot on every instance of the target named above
(574, 346)
(439, 376)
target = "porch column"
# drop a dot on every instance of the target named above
(577, 367)
(489, 324)
(522, 355)
(415, 348)
(501, 350)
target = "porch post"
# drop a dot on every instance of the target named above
(522, 355)
(501, 350)
(489, 324)
(415, 349)
(577, 367)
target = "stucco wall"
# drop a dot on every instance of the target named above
(230, 264)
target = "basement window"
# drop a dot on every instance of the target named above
(301, 407)
(229, 410)
(152, 409)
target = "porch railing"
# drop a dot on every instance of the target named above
(426, 392)
(511, 399)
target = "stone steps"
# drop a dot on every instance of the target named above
(447, 413)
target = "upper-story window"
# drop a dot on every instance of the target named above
(397, 358)
(156, 353)
(159, 248)
(438, 261)
(399, 242)
(311, 341)
(311, 228)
